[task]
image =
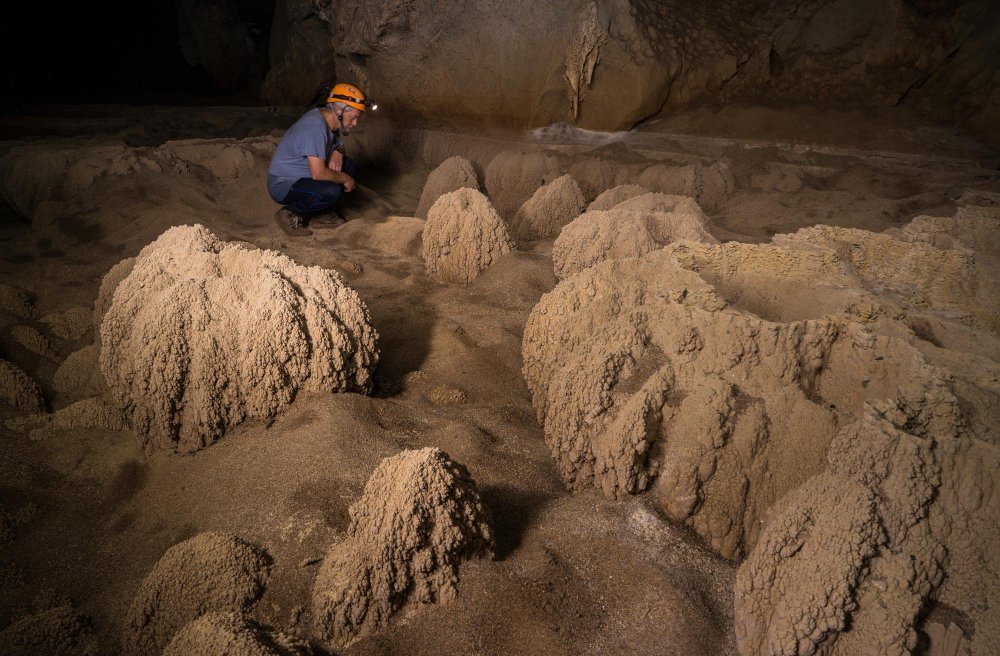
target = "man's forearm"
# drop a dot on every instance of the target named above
(333, 176)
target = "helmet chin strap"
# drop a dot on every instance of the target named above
(340, 119)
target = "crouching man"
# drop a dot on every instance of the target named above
(309, 171)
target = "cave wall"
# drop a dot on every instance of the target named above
(609, 64)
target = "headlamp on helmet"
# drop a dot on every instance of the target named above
(351, 96)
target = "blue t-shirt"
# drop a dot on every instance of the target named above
(309, 136)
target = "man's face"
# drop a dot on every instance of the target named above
(351, 117)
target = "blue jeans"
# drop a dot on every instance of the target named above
(309, 197)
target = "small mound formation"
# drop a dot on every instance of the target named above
(19, 390)
(232, 634)
(548, 210)
(512, 176)
(611, 197)
(451, 175)
(15, 302)
(419, 518)
(92, 413)
(631, 228)
(34, 341)
(79, 376)
(209, 572)
(57, 631)
(201, 334)
(463, 236)
(709, 185)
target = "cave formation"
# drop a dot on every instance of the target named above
(649, 327)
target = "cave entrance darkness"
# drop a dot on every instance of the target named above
(116, 52)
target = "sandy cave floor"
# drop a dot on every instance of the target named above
(575, 574)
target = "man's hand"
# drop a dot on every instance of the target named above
(323, 171)
(336, 162)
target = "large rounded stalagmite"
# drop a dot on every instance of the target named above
(419, 518)
(202, 334)
(463, 236)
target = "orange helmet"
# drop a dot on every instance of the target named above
(351, 96)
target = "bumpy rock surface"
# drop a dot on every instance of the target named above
(19, 390)
(79, 376)
(15, 302)
(93, 413)
(709, 185)
(202, 334)
(59, 631)
(611, 197)
(797, 384)
(209, 572)
(232, 634)
(463, 236)
(512, 177)
(548, 210)
(633, 227)
(419, 518)
(34, 341)
(454, 173)
(897, 522)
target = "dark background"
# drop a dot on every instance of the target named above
(126, 51)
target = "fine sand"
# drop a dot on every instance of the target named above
(723, 385)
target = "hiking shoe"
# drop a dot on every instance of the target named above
(293, 224)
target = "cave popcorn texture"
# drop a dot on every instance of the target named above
(202, 334)
(419, 518)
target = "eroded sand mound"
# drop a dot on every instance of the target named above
(463, 236)
(512, 176)
(633, 227)
(19, 390)
(209, 572)
(454, 173)
(93, 413)
(202, 334)
(59, 631)
(548, 210)
(611, 197)
(232, 634)
(419, 518)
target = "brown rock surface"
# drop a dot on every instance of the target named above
(18, 390)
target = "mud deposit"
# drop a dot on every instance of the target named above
(560, 392)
